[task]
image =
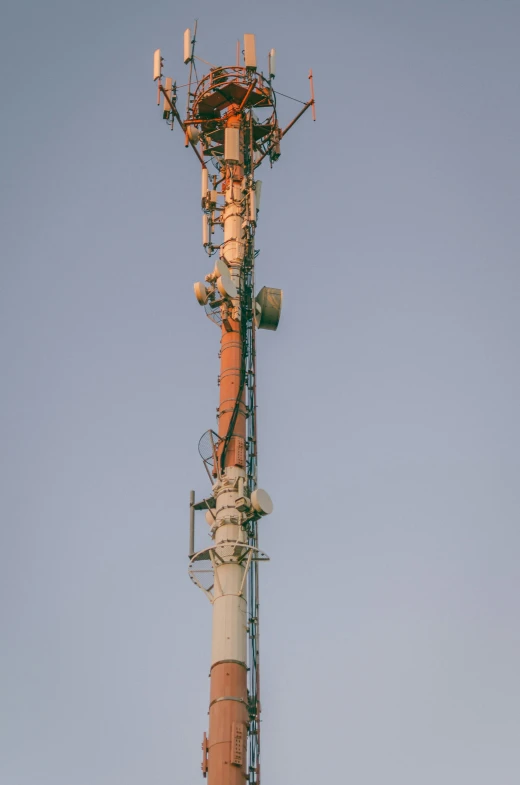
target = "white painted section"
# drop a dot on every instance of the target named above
(229, 639)
(232, 473)
(233, 247)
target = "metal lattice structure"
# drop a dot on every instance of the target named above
(231, 123)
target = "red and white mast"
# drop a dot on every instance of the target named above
(231, 124)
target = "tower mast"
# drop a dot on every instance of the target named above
(223, 129)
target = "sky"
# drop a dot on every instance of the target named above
(388, 397)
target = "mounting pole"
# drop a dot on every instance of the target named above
(192, 525)
(313, 102)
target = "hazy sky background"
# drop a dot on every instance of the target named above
(389, 426)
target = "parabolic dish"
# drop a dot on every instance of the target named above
(261, 502)
(221, 268)
(226, 286)
(270, 302)
(201, 293)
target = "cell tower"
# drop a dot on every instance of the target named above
(231, 123)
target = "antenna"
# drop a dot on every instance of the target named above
(205, 185)
(272, 63)
(157, 65)
(222, 128)
(187, 46)
(168, 96)
(312, 101)
(157, 72)
(250, 51)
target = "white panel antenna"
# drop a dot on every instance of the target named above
(205, 185)
(205, 230)
(168, 94)
(232, 144)
(272, 63)
(157, 65)
(250, 51)
(252, 205)
(258, 192)
(188, 54)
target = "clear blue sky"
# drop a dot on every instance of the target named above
(389, 427)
